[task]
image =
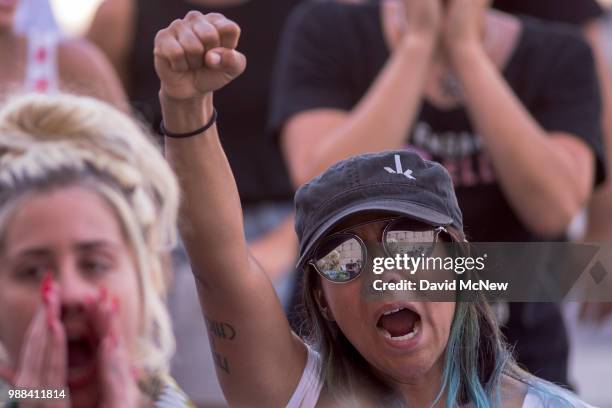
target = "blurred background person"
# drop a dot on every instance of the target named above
(589, 16)
(590, 324)
(265, 190)
(36, 58)
(35, 14)
(499, 100)
(87, 214)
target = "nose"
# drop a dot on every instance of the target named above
(377, 258)
(74, 288)
(394, 275)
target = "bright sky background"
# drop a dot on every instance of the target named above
(75, 15)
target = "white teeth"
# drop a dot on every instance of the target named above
(393, 311)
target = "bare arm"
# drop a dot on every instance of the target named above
(546, 177)
(85, 70)
(259, 360)
(112, 30)
(600, 206)
(315, 139)
(599, 225)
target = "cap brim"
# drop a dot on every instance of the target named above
(412, 210)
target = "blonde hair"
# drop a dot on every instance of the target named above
(49, 142)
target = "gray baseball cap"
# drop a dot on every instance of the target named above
(398, 182)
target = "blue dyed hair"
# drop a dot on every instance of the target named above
(474, 368)
(473, 371)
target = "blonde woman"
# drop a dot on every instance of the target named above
(87, 212)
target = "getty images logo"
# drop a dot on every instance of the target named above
(399, 169)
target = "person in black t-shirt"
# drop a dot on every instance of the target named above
(586, 14)
(576, 12)
(500, 101)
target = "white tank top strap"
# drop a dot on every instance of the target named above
(309, 388)
(42, 65)
(532, 401)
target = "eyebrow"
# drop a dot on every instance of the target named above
(80, 247)
(92, 245)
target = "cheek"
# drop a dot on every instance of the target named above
(18, 305)
(347, 308)
(131, 317)
(442, 317)
(125, 287)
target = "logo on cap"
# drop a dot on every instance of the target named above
(399, 169)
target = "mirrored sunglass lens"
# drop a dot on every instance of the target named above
(339, 258)
(411, 243)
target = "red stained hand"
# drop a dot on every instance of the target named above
(118, 385)
(43, 361)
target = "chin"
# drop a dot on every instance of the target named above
(410, 371)
(412, 368)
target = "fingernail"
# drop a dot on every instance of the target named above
(215, 58)
(46, 286)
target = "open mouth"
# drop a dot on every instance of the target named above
(399, 324)
(82, 357)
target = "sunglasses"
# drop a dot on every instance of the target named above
(342, 256)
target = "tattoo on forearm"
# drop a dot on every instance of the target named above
(221, 330)
(221, 362)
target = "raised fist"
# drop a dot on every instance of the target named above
(197, 55)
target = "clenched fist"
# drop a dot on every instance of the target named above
(197, 55)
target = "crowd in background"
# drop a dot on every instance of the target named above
(327, 80)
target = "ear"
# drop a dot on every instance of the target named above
(322, 304)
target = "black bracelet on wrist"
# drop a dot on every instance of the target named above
(212, 121)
